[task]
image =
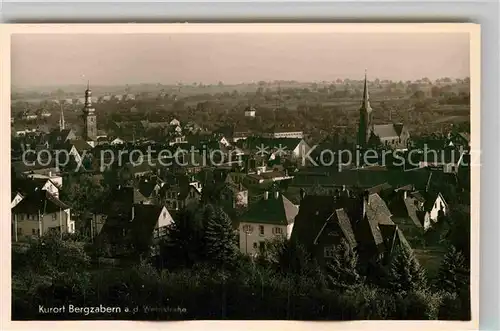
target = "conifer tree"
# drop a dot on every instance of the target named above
(184, 243)
(406, 274)
(220, 239)
(453, 273)
(342, 270)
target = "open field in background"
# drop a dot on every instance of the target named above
(430, 258)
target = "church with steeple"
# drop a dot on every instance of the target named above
(392, 135)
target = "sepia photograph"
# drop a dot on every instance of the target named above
(293, 172)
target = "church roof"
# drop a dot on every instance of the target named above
(387, 130)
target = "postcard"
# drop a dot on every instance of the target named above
(242, 173)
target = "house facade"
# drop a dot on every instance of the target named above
(267, 219)
(40, 213)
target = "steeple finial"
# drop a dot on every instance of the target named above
(88, 84)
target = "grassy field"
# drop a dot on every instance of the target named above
(430, 258)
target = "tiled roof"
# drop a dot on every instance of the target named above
(377, 215)
(28, 185)
(380, 188)
(345, 226)
(80, 145)
(313, 211)
(39, 201)
(386, 131)
(412, 211)
(279, 211)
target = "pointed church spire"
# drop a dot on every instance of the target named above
(366, 96)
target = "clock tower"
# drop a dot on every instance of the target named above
(89, 118)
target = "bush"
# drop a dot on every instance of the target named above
(418, 305)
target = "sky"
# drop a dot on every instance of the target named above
(119, 59)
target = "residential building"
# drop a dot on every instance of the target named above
(363, 222)
(250, 111)
(436, 206)
(40, 213)
(272, 216)
(284, 134)
(180, 191)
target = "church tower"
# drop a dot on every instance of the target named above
(365, 117)
(89, 118)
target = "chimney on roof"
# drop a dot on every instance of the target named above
(266, 195)
(276, 194)
(302, 194)
(405, 194)
(133, 213)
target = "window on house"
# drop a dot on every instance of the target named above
(329, 252)
(254, 245)
(261, 245)
(277, 230)
(261, 230)
(33, 231)
(247, 229)
(54, 217)
(164, 214)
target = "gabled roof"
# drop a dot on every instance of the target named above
(340, 217)
(59, 136)
(380, 188)
(313, 211)
(29, 185)
(431, 198)
(146, 217)
(278, 211)
(377, 215)
(80, 145)
(40, 201)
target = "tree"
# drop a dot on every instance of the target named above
(453, 275)
(82, 194)
(184, 244)
(406, 274)
(342, 270)
(220, 239)
(51, 256)
(459, 233)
